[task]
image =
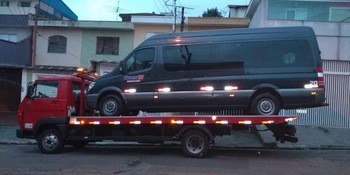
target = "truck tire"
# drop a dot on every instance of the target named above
(195, 144)
(265, 104)
(111, 105)
(50, 141)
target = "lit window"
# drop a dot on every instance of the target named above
(57, 44)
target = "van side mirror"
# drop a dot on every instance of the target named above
(122, 67)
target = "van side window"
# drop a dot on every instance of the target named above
(188, 57)
(286, 53)
(45, 90)
(140, 60)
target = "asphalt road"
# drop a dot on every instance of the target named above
(126, 160)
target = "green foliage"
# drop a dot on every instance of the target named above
(213, 12)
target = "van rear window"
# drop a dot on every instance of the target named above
(238, 55)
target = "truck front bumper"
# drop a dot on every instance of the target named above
(24, 134)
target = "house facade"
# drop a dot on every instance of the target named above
(330, 20)
(16, 44)
(62, 46)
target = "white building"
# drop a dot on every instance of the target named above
(330, 20)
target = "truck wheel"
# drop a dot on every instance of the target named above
(265, 104)
(111, 105)
(195, 144)
(50, 141)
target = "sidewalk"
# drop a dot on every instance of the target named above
(309, 137)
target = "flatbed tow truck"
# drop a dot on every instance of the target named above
(53, 113)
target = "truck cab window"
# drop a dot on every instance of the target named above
(45, 90)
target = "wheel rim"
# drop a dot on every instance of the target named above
(50, 142)
(110, 106)
(266, 106)
(194, 144)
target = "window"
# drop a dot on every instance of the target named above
(296, 14)
(4, 3)
(339, 14)
(281, 54)
(24, 4)
(57, 44)
(107, 45)
(238, 55)
(140, 60)
(45, 90)
(8, 37)
(187, 57)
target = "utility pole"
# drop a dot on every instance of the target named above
(182, 18)
(174, 24)
(34, 35)
(175, 14)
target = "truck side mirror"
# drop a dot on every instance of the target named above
(30, 90)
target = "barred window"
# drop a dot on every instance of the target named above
(57, 44)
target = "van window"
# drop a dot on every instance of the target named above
(140, 60)
(295, 53)
(187, 57)
(238, 55)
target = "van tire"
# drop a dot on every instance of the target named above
(111, 105)
(265, 104)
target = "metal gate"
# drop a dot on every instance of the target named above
(10, 89)
(337, 114)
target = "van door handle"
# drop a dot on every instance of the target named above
(54, 102)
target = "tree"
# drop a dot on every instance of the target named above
(213, 12)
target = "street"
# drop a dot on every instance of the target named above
(26, 159)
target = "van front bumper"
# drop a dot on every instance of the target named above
(91, 100)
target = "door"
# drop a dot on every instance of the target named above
(44, 101)
(185, 80)
(139, 79)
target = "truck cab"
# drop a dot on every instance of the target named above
(52, 96)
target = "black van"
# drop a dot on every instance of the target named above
(261, 70)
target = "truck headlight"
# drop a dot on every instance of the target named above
(91, 85)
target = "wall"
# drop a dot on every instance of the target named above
(141, 31)
(333, 37)
(21, 33)
(13, 9)
(88, 51)
(70, 58)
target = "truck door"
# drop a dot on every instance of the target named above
(43, 101)
(140, 78)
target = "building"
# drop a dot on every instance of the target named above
(330, 20)
(16, 44)
(62, 46)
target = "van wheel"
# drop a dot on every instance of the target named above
(265, 104)
(50, 141)
(111, 105)
(195, 144)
